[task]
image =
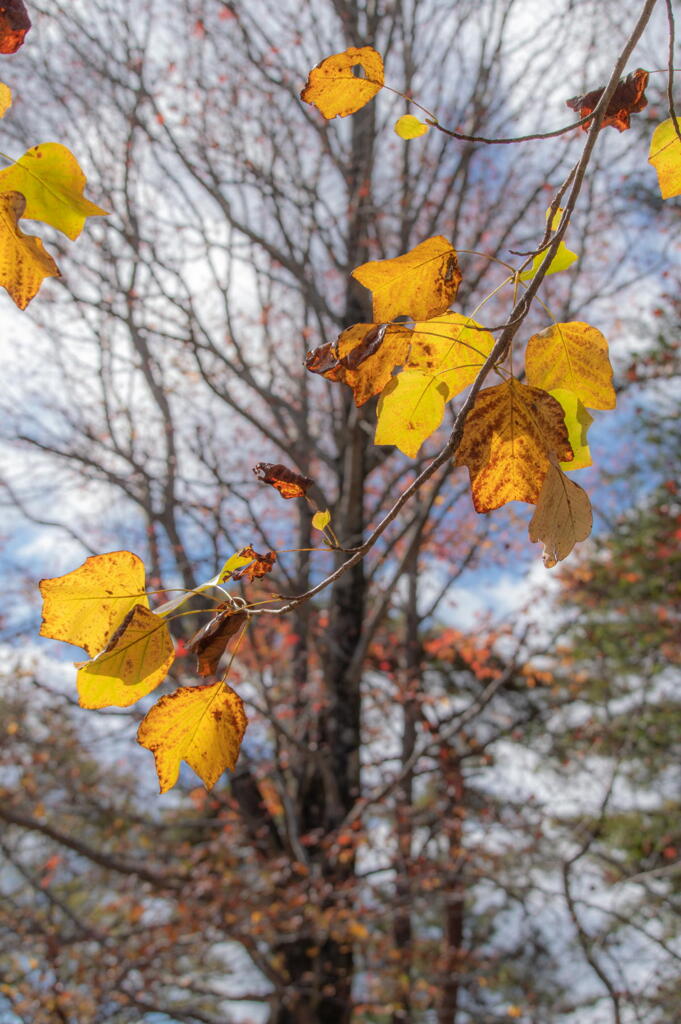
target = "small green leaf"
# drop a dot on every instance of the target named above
(409, 127)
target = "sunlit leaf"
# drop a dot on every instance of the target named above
(409, 127)
(5, 98)
(573, 356)
(562, 517)
(364, 357)
(86, 606)
(421, 283)
(14, 24)
(202, 725)
(334, 88)
(49, 177)
(210, 643)
(628, 98)
(320, 520)
(233, 563)
(258, 566)
(289, 483)
(410, 410)
(135, 661)
(24, 263)
(665, 156)
(563, 258)
(509, 435)
(578, 419)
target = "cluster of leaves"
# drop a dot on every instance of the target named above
(519, 439)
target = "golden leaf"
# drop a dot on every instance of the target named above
(321, 519)
(573, 356)
(409, 127)
(562, 517)
(508, 437)
(665, 156)
(5, 98)
(333, 87)
(86, 606)
(421, 283)
(135, 661)
(202, 725)
(410, 410)
(24, 263)
(49, 177)
(578, 419)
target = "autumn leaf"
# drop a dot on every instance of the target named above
(445, 356)
(24, 263)
(578, 419)
(421, 283)
(49, 177)
(665, 156)
(562, 516)
(14, 24)
(134, 662)
(258, 567)
(320, 520)
(233, 563)
(289, 483)
(410, 410)
(202, 725)
(86, 606)
(364, 357)
(5, 98)
(573, 356)
(509, 435)
(210, 643)
(334, 88)
(409, 127)
(628, 98)
(562, 259)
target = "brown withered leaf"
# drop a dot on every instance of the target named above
(324, 361)
(628, 98)
(289, 483)
(14, 24)
(364, 357)
(259, 567)
(210, 643)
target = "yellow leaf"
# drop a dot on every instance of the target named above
(578, 419)
(24, 263)
(135, 661)
(563, 258)
(49, 177)
(409, 127)
(202, 725)
(665, 156)
(367, 356)
(421, 283)
(562, 517)
(333, 87)
(573, 356)
(320, 520)
(233, 563)
(5, 98)
(86, 606)
(508, 437)
(410, 410)
(451, 348)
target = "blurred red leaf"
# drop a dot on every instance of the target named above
(289, 483)
(628, 98)
(14, 24)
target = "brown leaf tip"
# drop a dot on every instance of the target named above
(289, 483)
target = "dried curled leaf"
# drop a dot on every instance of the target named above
(665, 156)
(50, 179)
(259, 566)
(573, 356)
(202, 725)
(85, 607)
(421, 283)
(134, 662)
(289, 483)
(334, 88)
(210, 643)
(562, 517)
(24, 263)
(14, 24)
(364, 357)
(509, 436)
(628, 98)
(409, 127)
